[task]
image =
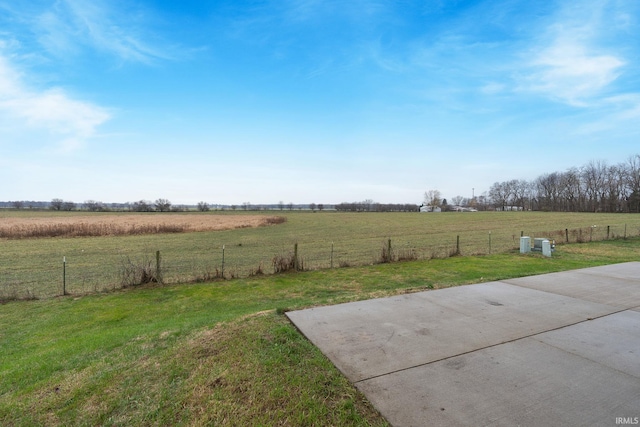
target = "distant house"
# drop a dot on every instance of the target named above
(462, 209)
(426, 208)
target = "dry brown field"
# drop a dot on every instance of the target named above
(21, 227)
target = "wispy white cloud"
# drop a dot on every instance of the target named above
(572, 62)
(69, 121)
(618, 114)
(570, 72)
(71, 24)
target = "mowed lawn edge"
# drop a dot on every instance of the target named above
(218, 353)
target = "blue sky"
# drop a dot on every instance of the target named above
(309, 101)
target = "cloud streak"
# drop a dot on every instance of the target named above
(567, 71)
(70, 24)
(70, 121)
(572, 64)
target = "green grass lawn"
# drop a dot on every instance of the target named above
(34, 266)
(218, 353)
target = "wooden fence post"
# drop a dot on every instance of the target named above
(222, 268)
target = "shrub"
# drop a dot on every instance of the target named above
(138, 273)
(257, 272)
(386, 255)
(284, 263)
(274, 220)
(407, 254)
(9, 295)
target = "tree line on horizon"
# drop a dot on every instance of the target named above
(594, 187)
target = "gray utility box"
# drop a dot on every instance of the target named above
(539, 245)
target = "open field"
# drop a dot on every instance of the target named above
(33, 267)
(218, 353)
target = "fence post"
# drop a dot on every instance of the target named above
(489, 243)
(64, 275)
(566, 232)
(331, 255)
(295, 256)
(625, 232)
(222, 268)
(608, 228)
(458, 245)
(158, 268)
(389, 251)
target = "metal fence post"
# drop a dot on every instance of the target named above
(158, 268)
(331, 264)
(64, 275)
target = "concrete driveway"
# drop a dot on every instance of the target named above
(560, 349)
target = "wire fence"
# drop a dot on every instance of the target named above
(42, 275)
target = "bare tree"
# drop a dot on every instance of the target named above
(499, 194)
(68, 206)
(594, 176)
(548, 189)
(142, 206)
(520, 190)
(203, 206)
(163, 205)
(632, 179)
(432, 198)
(93, 206)
(17, 204)
(457, 201)
(571, 190)
(480, 202)
(56, 204)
